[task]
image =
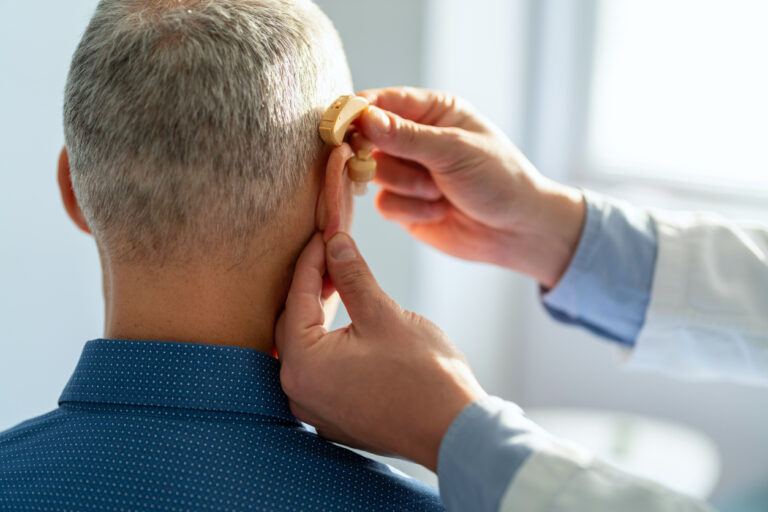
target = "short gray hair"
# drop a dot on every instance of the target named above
(189, 123)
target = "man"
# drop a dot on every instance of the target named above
(193, 158)
(683, 294)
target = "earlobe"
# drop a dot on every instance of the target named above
(68, 194)
(334, 206)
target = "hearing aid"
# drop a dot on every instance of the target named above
(361, 168)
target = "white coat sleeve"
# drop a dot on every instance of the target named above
(708, 313)
(558, 477)
(492, 438)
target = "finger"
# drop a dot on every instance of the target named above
(303, 308)
(405, 178)
(408, 209)
(354, 281)
(403, 138)
(398, 175)
(423, 106)
(358, 142)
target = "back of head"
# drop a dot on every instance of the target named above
(189, 123)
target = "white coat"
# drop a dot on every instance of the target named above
(707, 318)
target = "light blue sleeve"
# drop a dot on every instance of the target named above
(606, 289)
(607, 286)
(480, 454)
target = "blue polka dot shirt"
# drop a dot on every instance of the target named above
(164, 426)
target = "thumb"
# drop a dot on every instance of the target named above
(407, 139)
(352, 278)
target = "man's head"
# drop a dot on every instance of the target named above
(191, 124)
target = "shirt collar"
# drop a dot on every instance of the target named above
(182, 375)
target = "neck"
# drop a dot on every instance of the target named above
(198, 303)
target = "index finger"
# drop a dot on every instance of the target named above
(303, 311)
(424, 106)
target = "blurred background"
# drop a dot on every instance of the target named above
(661, 102)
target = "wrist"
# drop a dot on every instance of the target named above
(545, 240)
(566, 219)
(432, 456)
(426, 450)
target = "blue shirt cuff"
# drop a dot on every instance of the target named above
(607, 287)
(480, 454)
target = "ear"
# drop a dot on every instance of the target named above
(336, 202)
(68, 193)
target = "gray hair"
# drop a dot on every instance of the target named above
(190, 123)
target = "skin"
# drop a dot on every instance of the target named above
(213, 299)
(391, 381)
(455, 182)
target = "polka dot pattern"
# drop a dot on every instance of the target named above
(164, 426)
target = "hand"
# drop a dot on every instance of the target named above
(390, 382)
(454, 181)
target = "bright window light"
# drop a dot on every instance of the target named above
(680, 92)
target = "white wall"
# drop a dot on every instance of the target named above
(50, 299)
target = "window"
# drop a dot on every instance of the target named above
(679, 92)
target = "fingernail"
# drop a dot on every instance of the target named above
(380, 122)
(340, 248)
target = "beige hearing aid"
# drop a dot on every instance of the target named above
(333, 128)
